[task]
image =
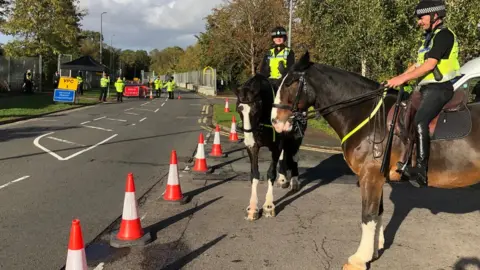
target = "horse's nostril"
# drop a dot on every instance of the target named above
(274, 121)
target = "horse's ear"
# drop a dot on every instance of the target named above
(304, 62)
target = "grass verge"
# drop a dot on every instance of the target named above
(225, 119)
(24, 106)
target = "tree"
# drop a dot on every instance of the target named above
(44, 28)
(165, 61)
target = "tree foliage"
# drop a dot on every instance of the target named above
(44, 28)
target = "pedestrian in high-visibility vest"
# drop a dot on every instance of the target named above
(158, 85)
(119, 85)
(170, 87)
(104, 81)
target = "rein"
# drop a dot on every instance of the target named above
(300, 117)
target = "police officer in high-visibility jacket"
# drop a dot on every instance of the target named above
(170, 87)
(119, 85)
(279, 58)
(437, 65)
(158, 85)
(104, 81)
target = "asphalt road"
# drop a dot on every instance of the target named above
(315, 228)
(74, 165)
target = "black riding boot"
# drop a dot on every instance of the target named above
(418, 174)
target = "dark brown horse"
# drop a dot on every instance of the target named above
(346, 100)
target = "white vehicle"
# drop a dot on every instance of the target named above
(470, 78)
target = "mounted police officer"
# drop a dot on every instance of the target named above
(279, 58)
(437, 64)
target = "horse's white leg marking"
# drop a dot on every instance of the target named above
(252, 209)
(294, 183)
(281, 155)
(268, 206)
(381, 237)
(366, 249)
(249, 140)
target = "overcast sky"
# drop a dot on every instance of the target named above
(146, 24)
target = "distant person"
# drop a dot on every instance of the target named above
(119, 85)
(104, 81)
(80, 83)
(170, 88)
(56, 79)
(158, 86)
(27, 82)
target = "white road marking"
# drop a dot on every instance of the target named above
(37, 144)
(100, 128)
(86, 122)
(119, 120)
(162, 104)
(134, 124)
(129, 109)
(14, 181)
(144, 110)
(204, 109)
(132, 113)
(64, 141)
(205, 120)
(99, 266)
(99, 118)
(200, 120)
(206, 112)
(166, 99)
(157, 110)
(143, 216)
(145, 103)
(141, 120)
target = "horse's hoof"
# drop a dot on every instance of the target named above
(268, 211)
(252, 214)
(348, 266)
(282, 182)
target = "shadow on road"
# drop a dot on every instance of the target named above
(325, 172)
(181, 262)
(155, 228)
(406, 198)
(29, 132)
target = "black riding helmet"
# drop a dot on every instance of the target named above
(279, 32)
(430, 7)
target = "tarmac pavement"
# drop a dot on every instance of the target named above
(74, 164)
(315, 228)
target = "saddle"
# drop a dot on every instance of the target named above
(453, 122)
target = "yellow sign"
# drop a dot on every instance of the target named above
(68, 83)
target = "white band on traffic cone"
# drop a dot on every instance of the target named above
(130, 211)
(76, 260)
(233, 128)
(173, 175)
(216, 139)
(200, 151)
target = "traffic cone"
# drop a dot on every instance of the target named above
(76, 259)
(131, 232)
(227, 108)
(173, 192)
(217, 147)
(233, 131)
(151, 94)
(200, 161)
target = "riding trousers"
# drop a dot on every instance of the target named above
(434, 97)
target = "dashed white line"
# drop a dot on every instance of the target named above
(162, 104)
(119, 120)
(132, 113)
(157, 110)
(144, 110)
(141, 120)
(99, 266)
(145, 103)
(14, 181)
(64, 141)
(166, 99)
(91, 147)
(86, 122)
(99, 118)
(129, 109)
(100, 128)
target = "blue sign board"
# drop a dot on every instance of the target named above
(62, 95)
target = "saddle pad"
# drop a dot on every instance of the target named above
(453, 125)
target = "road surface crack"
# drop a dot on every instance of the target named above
(324, 261)
(186, 227)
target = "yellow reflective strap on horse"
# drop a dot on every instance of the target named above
(350, 134)
(270, 126)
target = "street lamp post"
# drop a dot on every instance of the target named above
(112, 66)
(290, 25)
(101, 34)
